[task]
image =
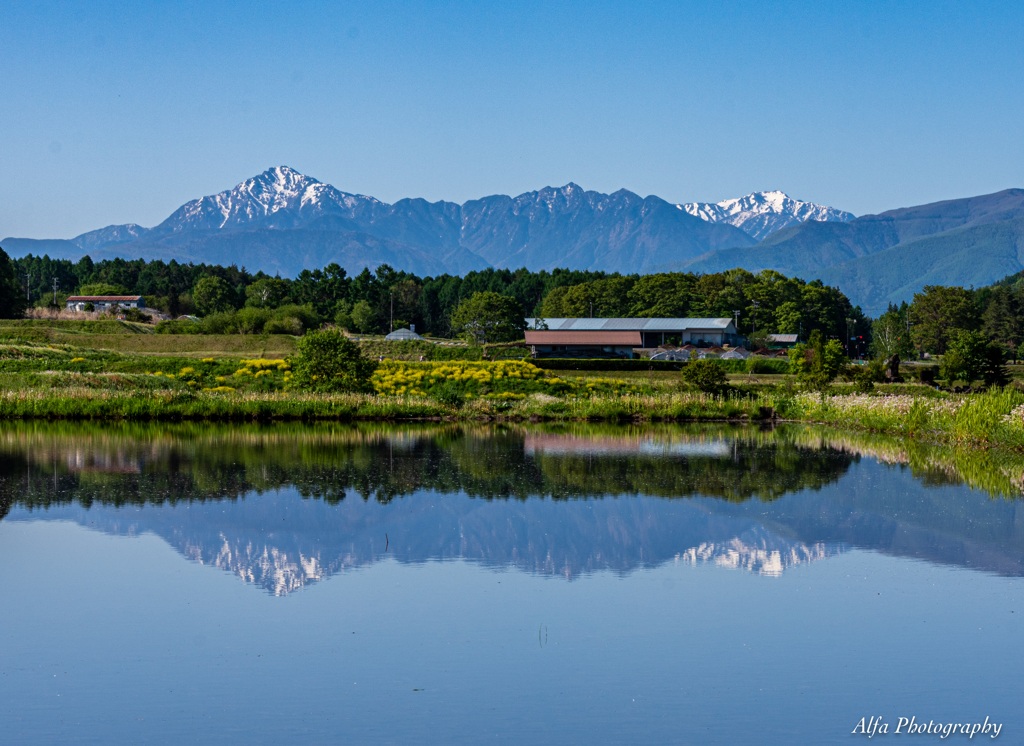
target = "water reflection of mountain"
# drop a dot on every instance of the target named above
(282, 541)
(318, 501)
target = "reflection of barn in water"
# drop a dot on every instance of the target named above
(102, 462)
(611, 445)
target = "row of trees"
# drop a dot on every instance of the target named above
(378, 301)
(768, 301)
(939, 315)
(369, 302)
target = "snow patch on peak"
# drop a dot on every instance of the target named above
(280, 197)
(762, 213)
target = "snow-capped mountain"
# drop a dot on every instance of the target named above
(762, 213)
(279, 198)
(282, 221)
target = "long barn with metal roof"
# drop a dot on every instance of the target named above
(620, 337)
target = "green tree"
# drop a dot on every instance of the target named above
(488, 317)
(890, 337)
(362, 317)
(759, 340)
(553, 306)
(720, 294)
(971, 356)
(343, 315)
(965, 357)
(327, 361)
(939, 314)
(270, 292)
(212, 295)
(407, 295)
(1003, 317)
(788, 317)
(601, 298)
(817, 362)
(324, 288)
(12, 296)
(993, 368)
(661, 295)
(101, 288)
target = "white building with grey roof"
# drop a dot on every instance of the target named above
(620, 337)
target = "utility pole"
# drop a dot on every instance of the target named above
(28, 287)
(736, 314)
(56, 284)
(755, 304)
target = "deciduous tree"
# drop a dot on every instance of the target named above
(489, 317)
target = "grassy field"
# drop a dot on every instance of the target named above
(132, 338)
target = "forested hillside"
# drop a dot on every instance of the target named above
(878, 259)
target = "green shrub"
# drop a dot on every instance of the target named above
(449, 394)
(329, 362)
(252, 320)
(921, 373)
(706, 375)
(865, 377)
(817, 363)
(763, 365)
(283, 326)
(299, 319)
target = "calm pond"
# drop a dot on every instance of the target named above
(445, 584)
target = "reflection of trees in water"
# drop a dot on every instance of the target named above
(997, 472)
(132, 465)
(756, 468)
(44, 463)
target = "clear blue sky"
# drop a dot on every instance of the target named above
(120, 112)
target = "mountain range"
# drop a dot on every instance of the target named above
(282, 222)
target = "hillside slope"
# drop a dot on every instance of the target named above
(976, 255)
(875, 259)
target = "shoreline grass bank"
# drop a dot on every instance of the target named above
(66, 382)
(994, 419)
(166, 405)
